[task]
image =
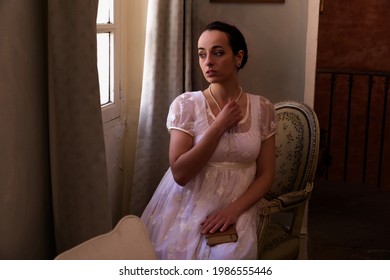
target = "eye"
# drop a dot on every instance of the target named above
(201, 55)
(218, 53)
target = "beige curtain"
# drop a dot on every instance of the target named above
(167, 71)
(53, 180)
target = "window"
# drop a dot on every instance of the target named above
(108, 54)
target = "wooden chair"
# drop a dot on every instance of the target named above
(283, 214)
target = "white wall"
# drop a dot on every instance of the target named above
(276, 35)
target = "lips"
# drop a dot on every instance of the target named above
(211, 73)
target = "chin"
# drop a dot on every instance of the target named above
(212, 80)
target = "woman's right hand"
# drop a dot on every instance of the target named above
(229, 116)
(185, 158)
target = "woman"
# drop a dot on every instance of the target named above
(221, 157)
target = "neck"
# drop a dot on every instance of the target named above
(220, 106)
(224, 93)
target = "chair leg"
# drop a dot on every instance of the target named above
(302, 255)
(261, 234)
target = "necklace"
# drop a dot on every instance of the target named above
(215, 101)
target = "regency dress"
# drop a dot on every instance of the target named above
(174, 214)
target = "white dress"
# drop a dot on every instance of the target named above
(174, 214)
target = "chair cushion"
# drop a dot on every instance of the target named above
(279, 245)
(127, 241)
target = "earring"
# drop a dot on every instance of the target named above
(238, 65)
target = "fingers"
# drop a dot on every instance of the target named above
(214, 228)
(231, 114)
(211, 228)
(214, 223)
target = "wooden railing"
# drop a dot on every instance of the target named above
(353, 104)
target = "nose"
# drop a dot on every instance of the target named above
(209, 61)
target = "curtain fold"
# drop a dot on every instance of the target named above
(78, 166)
(167, 73)
(53, 178)
(26, 227)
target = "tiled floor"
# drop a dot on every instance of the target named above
(349, 222)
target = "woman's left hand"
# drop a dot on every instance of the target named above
(220, 220)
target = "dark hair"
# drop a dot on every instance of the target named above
(236, 39)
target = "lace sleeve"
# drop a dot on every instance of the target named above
(268, 120)
(181, 114)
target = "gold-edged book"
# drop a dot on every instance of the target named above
(219, 237)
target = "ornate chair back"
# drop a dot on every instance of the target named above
(297, 148)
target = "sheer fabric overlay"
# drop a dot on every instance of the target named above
(174, 214)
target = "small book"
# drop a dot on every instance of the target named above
(219, 237)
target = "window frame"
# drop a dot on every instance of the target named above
(112, 110)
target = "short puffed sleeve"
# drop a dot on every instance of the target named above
(181, 114)
(268, 120)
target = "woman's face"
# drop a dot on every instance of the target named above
(216, 57)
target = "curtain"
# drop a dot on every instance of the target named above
(53, 178)
(79, 176)
(167, 71)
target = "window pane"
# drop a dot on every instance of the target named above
(105, 12)
(105, 66)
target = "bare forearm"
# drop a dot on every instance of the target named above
(187, 160)
(189, 164)
(220, 220)
(261, 185)
(257, 190)
(264, 177)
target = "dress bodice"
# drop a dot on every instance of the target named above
(191, 113)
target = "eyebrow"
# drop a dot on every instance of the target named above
(214, 47)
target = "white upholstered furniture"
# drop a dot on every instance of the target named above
(127, 241)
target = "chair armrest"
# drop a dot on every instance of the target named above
(293, 199)
(286, 201)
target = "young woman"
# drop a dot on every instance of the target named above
(222, 158)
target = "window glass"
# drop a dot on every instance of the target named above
(108, 57)
(104, 67)
(105, 12)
